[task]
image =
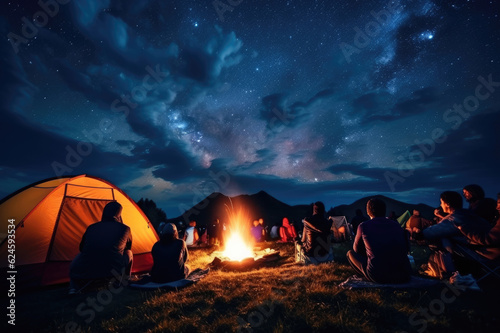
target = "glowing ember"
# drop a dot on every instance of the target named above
(236, 249)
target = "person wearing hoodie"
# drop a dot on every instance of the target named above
(315, 243)
(287, 231)
(170, 255)
(105, 249)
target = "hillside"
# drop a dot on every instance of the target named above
(258, 205)
(272, 210)
(398, 207)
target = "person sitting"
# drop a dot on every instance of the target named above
(275, 232)
(265, 229)
(490, 239)
(380, 249)
(447, 230)
(416, 224)
(314, 247)
(257, 231)
(191, 236)
(478, 204)
(203, 241)
(105, 250)
(287, 231)
(357, 220)
(213, 232)
(170, 255)
(443, 235)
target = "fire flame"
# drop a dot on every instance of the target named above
(236, 246)
(236, 249)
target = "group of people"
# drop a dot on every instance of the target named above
(260, 232)
(105, 252)
(213, 234)
(381, 246)
(476, 228)
(379, 254)
(285, 233)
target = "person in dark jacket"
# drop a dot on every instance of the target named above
(213, 232)
(105, 249)
(490, 239)
(357, 220)
(478, 204)
(315, 243)
(170, 255)
(380, 250)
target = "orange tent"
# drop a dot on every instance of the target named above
(50, 218)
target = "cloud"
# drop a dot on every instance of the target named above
(466, 156)
(378, 107)
(421, 99)
(205, 64)
(100, 22)
(473, 148)
(277, 114)
(372, 103)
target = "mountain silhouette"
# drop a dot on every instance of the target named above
(264, 205)
(258, 205)
(392, 205)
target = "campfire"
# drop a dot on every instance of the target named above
(239, 250)
(236, 248)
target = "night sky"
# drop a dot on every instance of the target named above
(307, 100)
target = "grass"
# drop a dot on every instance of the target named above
(286, 297)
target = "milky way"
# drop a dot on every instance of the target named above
(307, 100)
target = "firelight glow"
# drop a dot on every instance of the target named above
(167, 99)
(236, 248)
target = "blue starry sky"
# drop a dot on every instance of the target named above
(307, 100)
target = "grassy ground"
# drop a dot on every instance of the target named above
(285, 297)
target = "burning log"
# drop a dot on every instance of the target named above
(245, 264)
(238, 254)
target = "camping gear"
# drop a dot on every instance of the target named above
(464, 281)
(341, 230)
(50, 218)
(489, 268)
(302, 258)
(403, 219)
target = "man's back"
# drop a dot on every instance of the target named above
(106, 237)
(169, 261)
(102, 249)
(386, 247)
